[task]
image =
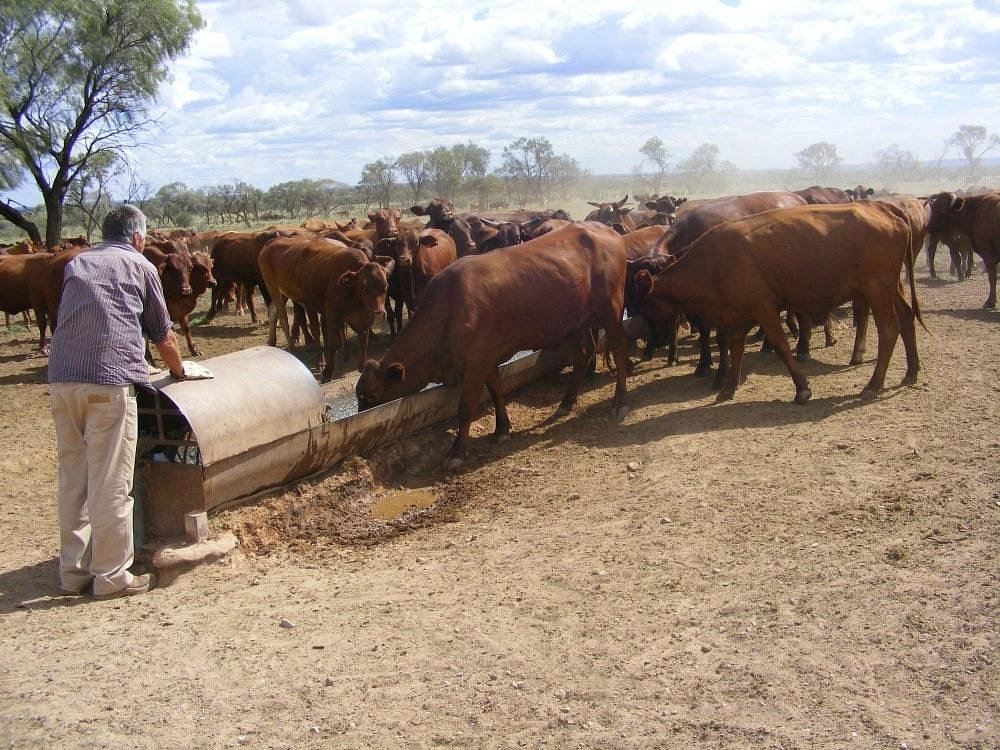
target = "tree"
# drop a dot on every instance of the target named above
(90, 194)
(656, 154)
(76, 78)
(973, 141)
(820, 158)
(12, 175)
(377, 179)
(413, 167)
(454, 170)
(896, 165)
(526, 165)
(699, 166)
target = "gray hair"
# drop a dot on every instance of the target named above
(121, 222)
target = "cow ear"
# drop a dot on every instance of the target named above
(959, 204)
(418, 210)
(651, 205)
(387, 263)
(347, 279)
(591, 203)
(870, 191)
(395, 373)
(371, 217)
(428, 240)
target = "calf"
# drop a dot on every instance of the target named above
(22, 288)
(481, 310)
(329, 278)
(976, 217)
(959, 250)
(421, 256)
(441, 215)
(184, 277)
(809, 259)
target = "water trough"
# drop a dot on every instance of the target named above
(264, 421)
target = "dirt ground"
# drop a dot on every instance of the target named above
(753, 574)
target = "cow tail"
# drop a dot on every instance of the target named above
(911, 254)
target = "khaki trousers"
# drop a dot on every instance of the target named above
(96, 430)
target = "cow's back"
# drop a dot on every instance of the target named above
(693, 224)
(303, 268)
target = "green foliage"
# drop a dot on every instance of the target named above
(818, 158)
(896, 165)
(974, 141)
(76, 78)
(654, 152)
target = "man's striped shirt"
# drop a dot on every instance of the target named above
(111, 298)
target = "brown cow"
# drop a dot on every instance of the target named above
(234, 256)
(978, 218)
(689, 226)
(184, 277)
(22, 288)
(860, 193)
(325, 277)
(809, 259)
(959, 250)
(483, 309)
(543, 228)
(642, 241)
(421, 256)
(442, 216)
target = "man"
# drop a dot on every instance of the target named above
(111, 297)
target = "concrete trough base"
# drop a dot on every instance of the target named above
(170, 491)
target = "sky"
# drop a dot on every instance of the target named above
(278, 90)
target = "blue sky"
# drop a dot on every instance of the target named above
(272, 91)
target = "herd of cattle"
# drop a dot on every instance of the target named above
(480, 288)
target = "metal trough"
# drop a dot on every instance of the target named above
(264, 421)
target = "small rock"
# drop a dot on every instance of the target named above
(329, 682)
(564, 709)
(903, 746)
(283, 623)
(516, 684)
(632, 466)
(705, 648)
(814, 545)
(560, 694)
(574, 496)
(314, 730)
(421, 560)
(241, 740)
(842, 446)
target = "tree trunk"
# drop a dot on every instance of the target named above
(17, 219)
(54, 219)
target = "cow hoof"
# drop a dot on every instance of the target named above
(832, 341)
(562, 411)
(620, 413)
(857, 360)
(909, 379)
(723, 396)
(503, 437)
(803, 357)
(869, 394)
(802, 396)
(453, 464)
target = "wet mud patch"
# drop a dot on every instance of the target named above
(361, 502)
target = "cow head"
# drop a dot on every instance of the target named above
(860, 193)
(386, 223)
(945, 208)
(368, 286)
(201, 272)
(561, 215)
(175, 273)
(380, 382)
(615, 215)
(439, 211)
(645, 269)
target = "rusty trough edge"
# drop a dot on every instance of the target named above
(246, 476)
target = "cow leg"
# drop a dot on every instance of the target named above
(277, 312)
(792, 322)
(805, 336)
(583, 346)
(969, 261)
(991, 273)
(704, 368)
(957, 266)
(194, 350)
(884, 312)
(671, 338)
(6, 320)
(468, 403)
(722, 341)
(41, 317)
(501, 433)
(908, 330)
(932, 243)
(861, 332)
(828, 330)
(731, 349)
(333, 330)
(772, 327)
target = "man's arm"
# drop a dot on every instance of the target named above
(170, 353)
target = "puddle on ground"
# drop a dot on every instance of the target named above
(393, 506)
